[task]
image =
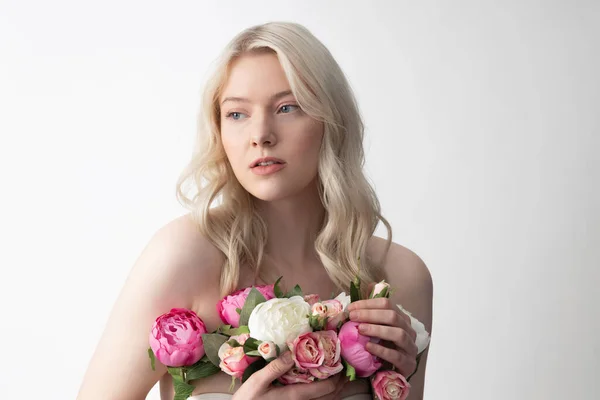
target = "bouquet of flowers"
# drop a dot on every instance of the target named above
(262, 322)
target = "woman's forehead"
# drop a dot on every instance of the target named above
(255, 78)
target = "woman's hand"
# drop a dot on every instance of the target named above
(258, 386)
(381, 319)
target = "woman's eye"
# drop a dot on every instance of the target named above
(287, 108)
(234, 115)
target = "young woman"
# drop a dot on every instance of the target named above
(280, 191)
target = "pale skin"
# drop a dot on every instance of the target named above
(261, 125)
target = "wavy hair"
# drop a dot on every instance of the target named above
(352, 209)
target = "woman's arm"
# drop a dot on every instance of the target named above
(176, 263)
(413, 289)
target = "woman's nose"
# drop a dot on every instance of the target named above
(262, 132)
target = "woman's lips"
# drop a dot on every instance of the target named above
(267, 169)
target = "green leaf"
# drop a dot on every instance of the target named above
(212, 343)
(234, 343)
(350, 371)
(236, 331)
(354, 291)
(277, 290)
(182, 390)
(296, 291)
(202, 371)
(278, 350)
(252, 353)
(251, 344)
(175, 373)
(252, 368)
(238, 310)
(152, 358)
(317, 323)
(224, 329)
(254, 298)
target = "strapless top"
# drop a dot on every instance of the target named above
(226, 396)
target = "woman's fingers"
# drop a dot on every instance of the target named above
(262, 378)
(307, 391)
(338, 389)
(397, 336)
(384, 317)
(405, 364)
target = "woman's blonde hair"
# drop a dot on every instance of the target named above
(352, 209)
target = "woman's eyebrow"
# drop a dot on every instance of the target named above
(245, 100)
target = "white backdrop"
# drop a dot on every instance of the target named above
(483, 123)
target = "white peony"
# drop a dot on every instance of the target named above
(423, 337)
(280, 320)
(344, 299)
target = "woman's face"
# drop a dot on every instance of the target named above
(261, 118)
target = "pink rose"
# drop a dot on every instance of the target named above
(267, 350)
(335, 313)
(390, 385)
(318, 353)
(312, 299)
(227, 307)
(241, 338)
(318, 310)
(354, 351)
(381, 289)
(296, 375)
(233, 360)
(176, 338)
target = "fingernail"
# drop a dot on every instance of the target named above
(362, 328)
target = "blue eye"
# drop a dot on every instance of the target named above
(286, 108)
(234, 115)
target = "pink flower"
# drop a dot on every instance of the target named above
(318, 310)
(381, 289)
(233, 360)
(296, 375)
(335, 313)
(354, 351)
(318, 353)
(241, 338)
(176, 338)
(267, 350)
(227, 307)
(390, 385)
(312, 299)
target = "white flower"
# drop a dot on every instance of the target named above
(423, 337)
(344, 299)
(267, 350)
(280, 320)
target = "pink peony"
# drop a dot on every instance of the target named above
(176, 338)
(390, 385)
(296, 375)
(354, 351)
(227, 307)
(233, 359)
(312, 299)
(335, 313)
(318, 353)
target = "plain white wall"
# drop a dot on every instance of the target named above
(483, 123)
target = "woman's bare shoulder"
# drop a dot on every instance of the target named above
(407, 272)
(177, 268)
